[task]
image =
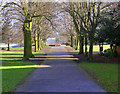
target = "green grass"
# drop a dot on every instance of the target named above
(14, 71)
(95, 48)
(15, 55)
(107, 74)
(11, 77)
(16, 48)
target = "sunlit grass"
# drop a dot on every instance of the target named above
(16, 48)
(13, 55)
(25, 66)
(11, 77)
(14, 71)
(106, 74)
(95, 48)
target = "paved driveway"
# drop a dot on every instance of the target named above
(61, 75)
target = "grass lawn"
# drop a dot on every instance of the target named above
(14, 55)
(16, 48)
(106, 74)
(14, 71)
(12, 76)
(95, 48)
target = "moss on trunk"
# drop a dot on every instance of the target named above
(86, 53)
(38, 41)
(40, 44)
(27, 27)
(44, 42)
(36, 47)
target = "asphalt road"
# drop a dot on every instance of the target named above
(62, 74)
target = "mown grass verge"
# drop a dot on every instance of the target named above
(105, 74)
(14, 70)
(12, 76)
(13, 55)
(95, 48)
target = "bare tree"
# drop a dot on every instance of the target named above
(25, 12)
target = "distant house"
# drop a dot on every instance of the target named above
(51, 41)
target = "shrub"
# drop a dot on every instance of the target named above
(110, 53)
(107, 50)
(101, 54)
(68, 43)
(3, 48)
(115, 54)
(107, 53)
(64, 43)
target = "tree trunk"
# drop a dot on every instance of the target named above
(71, 41)
(8, 45)
(86, 53)
(81, 45)
(27, 40)
(38, 41)
(77, 43)
(100, 45)
(90, 56)
(44, 42)
(36, 47)
(40, 44)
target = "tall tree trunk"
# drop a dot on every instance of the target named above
(81, 45)
(71, 41)
(86, 43)
(44, 42)
(40, 44)
(77, 30)
(8, 45)
(36, 47)
(27, 40)
(38, 41)
(91, 36)
(77, 43)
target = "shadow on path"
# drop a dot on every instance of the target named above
(63, 75)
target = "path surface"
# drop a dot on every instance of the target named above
(61, 75)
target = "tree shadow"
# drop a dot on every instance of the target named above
(12, 54)
(12, 57)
